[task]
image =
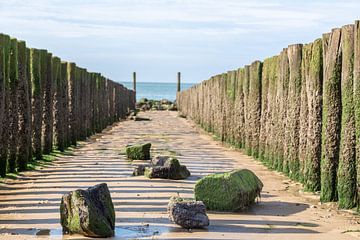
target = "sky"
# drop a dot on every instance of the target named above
(158, 38)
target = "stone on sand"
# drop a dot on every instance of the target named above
(88, 212)
(230, 191)
(171, 170)
(138, 151)
(187, 214)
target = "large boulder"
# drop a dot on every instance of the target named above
(171, 170)
(139, 151)
(88, 212)
(187, 214)
(231, 191)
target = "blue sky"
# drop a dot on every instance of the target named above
(157, 38)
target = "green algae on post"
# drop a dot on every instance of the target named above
(346, 184)
(312, 72)
(13, 106)
(331, 115)
(24, 108)
(4, 103)
(37, 101)
(293, 112)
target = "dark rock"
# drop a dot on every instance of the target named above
(231, 191)
(88, 212)
(159, 160)
(143, 100)
(172, 107)
(43, 232)
(171, 170)
(187, 214)
(139, 151)
(139, 170)
(137, 118)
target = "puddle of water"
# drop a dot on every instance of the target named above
(123, 232)
(120, 233)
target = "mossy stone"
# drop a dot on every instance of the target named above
(230, 191)
(139, 151)
(89, 212)
(172, 169)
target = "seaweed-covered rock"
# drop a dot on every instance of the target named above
(231, 191)
(89, 212)
(187, 214)
(159, 160)
(155, 105)
(139, 151)
(139, 170)
(171, 170)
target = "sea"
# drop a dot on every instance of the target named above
(156, 90)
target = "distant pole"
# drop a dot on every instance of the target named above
(134, 81)
(178, 81)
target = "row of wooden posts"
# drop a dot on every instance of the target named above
(48, 104)
(298, 112)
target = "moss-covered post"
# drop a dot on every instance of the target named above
(4, 100)
(264, 108)
(304, 109)
(13, 106)
(356, 95)
(59, 111)
(331, 115)
(346, 185)
(280, 162)
(272, 112)
(64, 91)
(247, 109)
(255, 105)
(72, 102)
(313, 75)
(43, 76)
(293, 111)
(239, 108)
(29, 146)
(37, 102)
(24, 108)
(48, 106)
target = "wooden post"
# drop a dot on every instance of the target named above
(134, 81)
(178, 81)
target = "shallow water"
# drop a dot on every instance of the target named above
(130, 232)
(156, 91)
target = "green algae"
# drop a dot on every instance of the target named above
(231, 191)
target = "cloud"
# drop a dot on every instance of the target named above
(201, 37)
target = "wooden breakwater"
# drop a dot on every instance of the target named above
(48, 104)
(297, 112)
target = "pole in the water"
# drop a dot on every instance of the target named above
(134, 81)
(178, 81)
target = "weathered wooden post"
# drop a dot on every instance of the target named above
(4, 98)
(331, 114)
(13, 106)
(24, 108)
(346, 183)
(178, 81)
(134, 81)
(48, 89)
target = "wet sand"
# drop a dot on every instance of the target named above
(29, 206)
